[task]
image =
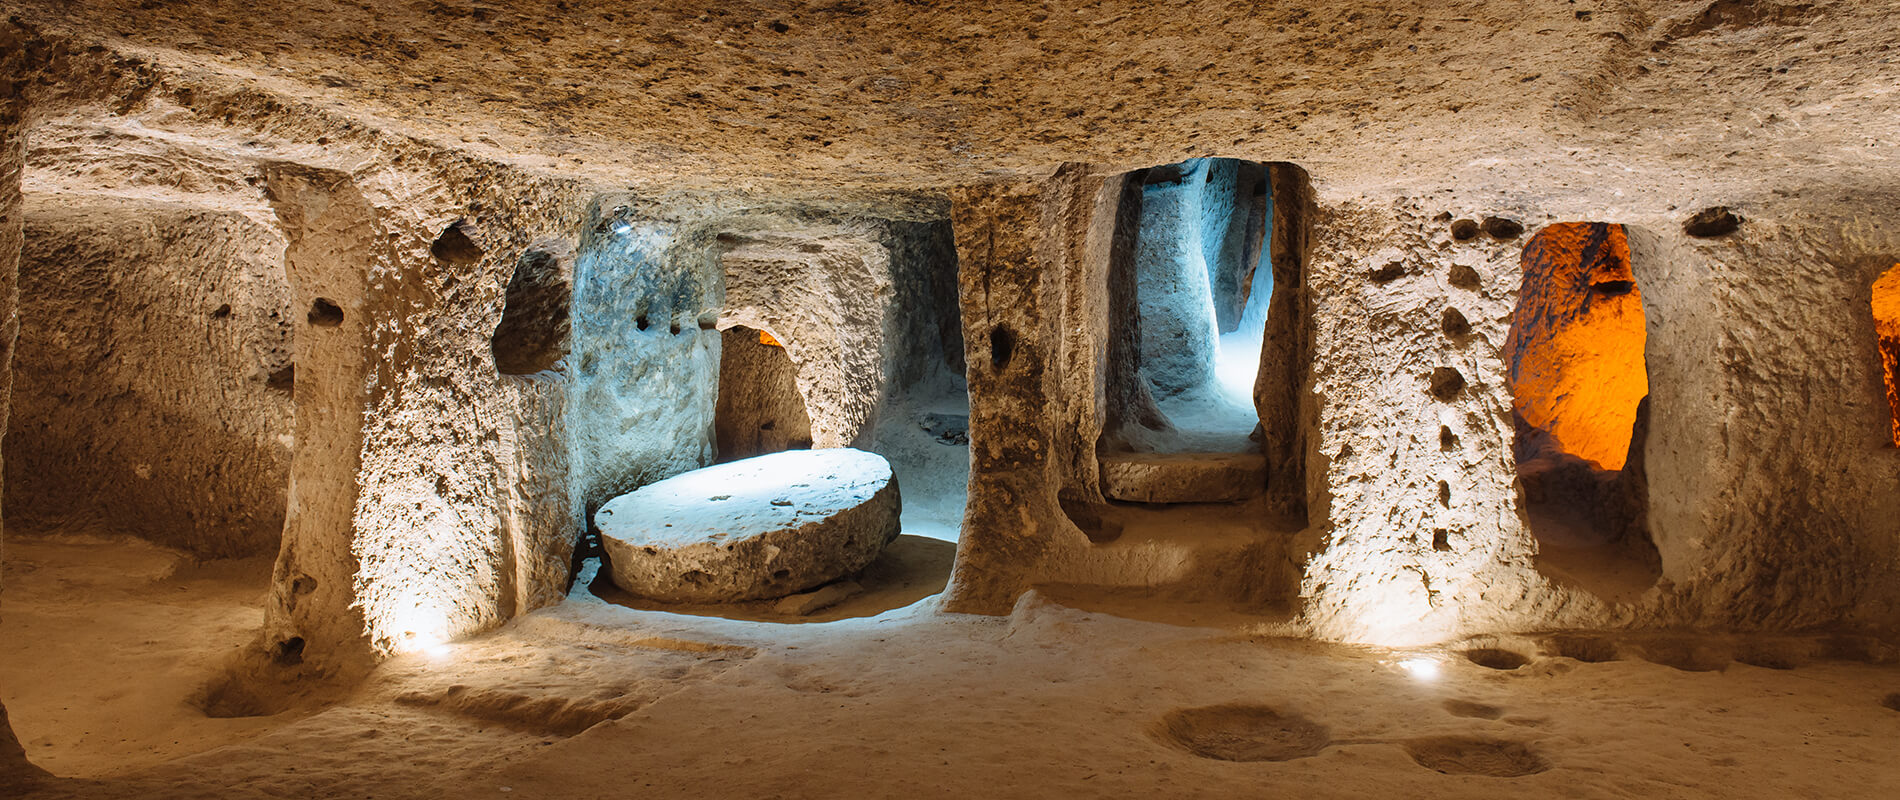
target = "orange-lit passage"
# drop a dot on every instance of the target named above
(1887, 325)
(1576, 345)
(766, 339)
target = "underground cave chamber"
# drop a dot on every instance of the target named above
(757, 335)
(1579, 405)
(341, 330)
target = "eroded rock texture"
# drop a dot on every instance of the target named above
(760, 410)
(15, 65)
(155, 375)
(711, 170)
(1417, 540)
(1769, 460)
(648, 369)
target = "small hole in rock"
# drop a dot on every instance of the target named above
(1474, 755)
(222, 312)
(290, 651)
(641, 322)
(1447, 383)
(1614, 287)
(324, 313)
(1388, 273)
(1242, 733)
(1496, 658)
(1002, 347)
(455, 246)
(1465, 277)
(1717, 221)
(1441, 540)
(283, 380)
(1503, 228)
(1464, 230)
(1453, 323)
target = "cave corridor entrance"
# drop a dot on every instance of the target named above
(1183, 427)
(759, 410)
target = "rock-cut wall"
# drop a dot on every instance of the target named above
(15, 771)
(430, 493)
(645, 355)
(155, 375)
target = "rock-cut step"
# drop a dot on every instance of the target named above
(1183, 477)
(754, 529)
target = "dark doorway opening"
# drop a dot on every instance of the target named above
(760, 410)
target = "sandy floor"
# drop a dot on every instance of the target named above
(106, 641)
(592, 699)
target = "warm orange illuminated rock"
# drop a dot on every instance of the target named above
(1887, 325)
(766, 339)
(1576, 343)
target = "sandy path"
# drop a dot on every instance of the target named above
(590, 699)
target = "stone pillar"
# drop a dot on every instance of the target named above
(1282, 388)
(428, 492)
(1418, 534)
(313, 616)
(1773, 496)
(1012, 240)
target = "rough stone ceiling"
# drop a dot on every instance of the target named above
(1597, 107)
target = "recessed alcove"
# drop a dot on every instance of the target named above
(532, 335)
(831, 333)
(759, 410)
(1579, 388)
(1886, 301)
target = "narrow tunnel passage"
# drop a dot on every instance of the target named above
(1201, 285)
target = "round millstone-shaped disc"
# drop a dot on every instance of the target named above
(755, 529)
